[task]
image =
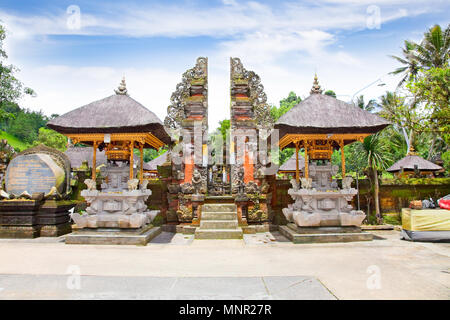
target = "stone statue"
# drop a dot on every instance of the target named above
(252, 187)
(347, 182)
(187, 188)
(306, 183)
(133, 184)
(294, 184)
(197, 181)
(240, 181)
(91, 184)
(144, 184)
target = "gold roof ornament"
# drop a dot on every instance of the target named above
(316, 86)
(122, 89)
(411, 151)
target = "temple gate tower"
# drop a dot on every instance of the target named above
(187, 123)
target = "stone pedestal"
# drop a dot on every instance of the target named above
(18, 219)
(197, 200)
(34, 218)
(108, 236)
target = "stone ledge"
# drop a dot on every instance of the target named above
(138, 237)
(324, 237)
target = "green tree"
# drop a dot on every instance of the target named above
(431, 89)
(285, 105)
(52, 139)
(374, 153)
(369, 106)
(330, 93)
(431, 52)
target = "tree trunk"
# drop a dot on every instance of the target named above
(377, 202)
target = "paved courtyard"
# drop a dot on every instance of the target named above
(262, 266)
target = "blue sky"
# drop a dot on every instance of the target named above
(152, 43)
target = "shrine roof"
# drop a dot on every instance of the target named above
(321, 113)
(153, 164)
(118, 113)
(290, 165)
(410, 161)
(77, 155)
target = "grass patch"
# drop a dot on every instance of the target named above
(15, 142)
(392, 218)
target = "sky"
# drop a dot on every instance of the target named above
(75, 52)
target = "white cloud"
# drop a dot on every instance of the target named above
(285, 44)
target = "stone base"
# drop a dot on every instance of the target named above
(56, 230)
(255, 228)
(114, 236)
(218, 233)
(324, 237)
(321, 230)
(19, 232)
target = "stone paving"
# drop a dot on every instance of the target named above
(385, 268)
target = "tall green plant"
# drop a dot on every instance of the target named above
(374, 153)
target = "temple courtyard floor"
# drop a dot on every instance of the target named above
(262, 266)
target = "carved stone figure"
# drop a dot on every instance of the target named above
(306, 183)
(347, 182)
(133, 184)
(197, 181)
(187, 188)
(91, 184)
(294, 184)
(251, 187)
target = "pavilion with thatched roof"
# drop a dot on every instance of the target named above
(411, 163)
(117, 124)
(290, 166)
(151, 167)
(321, 124)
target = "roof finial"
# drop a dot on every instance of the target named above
(122, 89)
(316, 86)
(411, 151)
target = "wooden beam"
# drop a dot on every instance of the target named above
(94, 162)
(342, 158)
(291, 137)
(297, 173)
(142, 137)
(131, 158)
(141, 168)
(305, 144)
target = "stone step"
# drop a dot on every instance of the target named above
(218, 215)
(219, 207)
(219, 233)
(218, 224)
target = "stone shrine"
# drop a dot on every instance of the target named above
(36, 200)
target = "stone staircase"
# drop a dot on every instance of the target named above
(219, 221)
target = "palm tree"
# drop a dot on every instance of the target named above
(374, 152)
(370, 106)
(432, 52)
(410, 67)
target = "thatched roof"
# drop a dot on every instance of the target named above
(321, 113)
(411, 160)
(116, 113)
(77, 155)
(153, 164)
(290, 165)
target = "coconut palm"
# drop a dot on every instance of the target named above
(375, 153)
(369, 106)
(410, 66)
(432, 52)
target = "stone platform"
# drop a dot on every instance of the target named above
(139, 236)
(323, 234)
(29, 219)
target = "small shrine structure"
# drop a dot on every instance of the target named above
(319, 125)
(413, 164)
(117, 124)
